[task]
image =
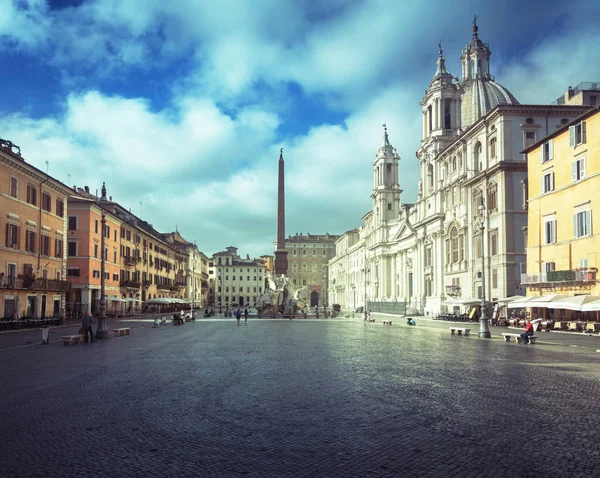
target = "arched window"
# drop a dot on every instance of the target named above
(430, 175)
(477, 157)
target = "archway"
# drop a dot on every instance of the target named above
(314, 299)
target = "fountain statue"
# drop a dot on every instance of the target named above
(281, 298)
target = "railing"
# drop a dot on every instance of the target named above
(129, 283)
(453, 290)
(585, 275)
(52, 284)
(130, 261)
(27, 282)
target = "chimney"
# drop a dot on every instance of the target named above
(87, 189)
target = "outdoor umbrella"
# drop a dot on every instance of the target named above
(520, 303)
(468, 301)
(506, 300)
(546, 300)
(591, 306)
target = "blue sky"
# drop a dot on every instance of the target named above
(183, 106)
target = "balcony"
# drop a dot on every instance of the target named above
(453, 290)
(130, 283)
(30, 283)
(52, 285)
(581, 276)
(130, 261)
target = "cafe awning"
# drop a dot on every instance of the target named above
(574, 302)
(545, 300)
(506, 300)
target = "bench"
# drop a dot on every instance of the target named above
(72, 339)
(460, 330)
(387, 322)
(123, 331)
(517, 337)
(370, 320)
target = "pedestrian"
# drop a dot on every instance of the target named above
(528, 332)
(238, 315)
(86, 322)
(246, 315)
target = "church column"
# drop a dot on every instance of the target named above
(394, 278)
(441, 112)
(425, 124)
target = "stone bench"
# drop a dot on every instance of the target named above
(72, 339)
(517, 337)
(123, 331)
(387, 322)
(460, 331)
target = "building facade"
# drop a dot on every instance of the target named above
(470, 209)
(563, 208)
(33, 215)
(237, 281)
(308, 256)
(140, 264)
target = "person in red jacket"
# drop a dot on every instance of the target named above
(528, 332)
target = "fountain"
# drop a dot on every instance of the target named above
(281, 298)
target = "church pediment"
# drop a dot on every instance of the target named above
(404, 231)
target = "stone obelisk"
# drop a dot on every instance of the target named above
(281, 262)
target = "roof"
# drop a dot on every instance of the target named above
(328, 238)
(587, 114)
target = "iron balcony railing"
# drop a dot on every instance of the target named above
(550, 277)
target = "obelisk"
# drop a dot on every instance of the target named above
(281, 262)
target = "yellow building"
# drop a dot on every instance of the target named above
(33, 209)
(563, 240)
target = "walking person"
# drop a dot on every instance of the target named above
(238, 315)
(86, 322)
(246, 315)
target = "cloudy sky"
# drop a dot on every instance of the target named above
(182, 106)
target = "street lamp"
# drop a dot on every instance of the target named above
(484, 327)
(193, 278)
(102, 331)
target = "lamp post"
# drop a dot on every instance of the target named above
(484, 327)
(102, 331)
(193, 278)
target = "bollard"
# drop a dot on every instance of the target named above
(45, 335)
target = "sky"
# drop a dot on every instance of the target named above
(182, 107)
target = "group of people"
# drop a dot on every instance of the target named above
(238, 315)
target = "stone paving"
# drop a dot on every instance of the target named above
(326, 397)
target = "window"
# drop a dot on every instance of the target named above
(578, 169)
(493, 198)
(72, 272)
(548, 266)
(31, 194)
(30, 241)
(115, 235)
(46, 245)
(529, 138)
(461, 247)
(314, 267)
(389, 206)
(71, 249)
(592, 100)
(14, 191)
(12, 236)
(547, 151)
(115, 277)
(46, 202)
(60, 208)
(304, 267)
(295, 252)
(454, 244)
(577, 134)
(115, 257)
(72, 223)
(96, 251)
(478, 247)
(494, 278)
(582, 223)
(304, 252)
(96, 226)
(303, 281)
(314, 252)
(550, 231)
(58, 248)
(96, 274)
(548, 183)
(324, 252)
(493, 148)
(494, 243)
(428, 257)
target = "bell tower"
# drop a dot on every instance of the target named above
(386, 189)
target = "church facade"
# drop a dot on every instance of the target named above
(471, 206)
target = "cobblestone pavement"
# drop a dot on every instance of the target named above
(299, 398)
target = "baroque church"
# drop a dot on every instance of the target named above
(471, 208)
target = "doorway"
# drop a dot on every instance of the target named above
(314, 299)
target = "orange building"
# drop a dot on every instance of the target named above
(139, 264)
(33, 208)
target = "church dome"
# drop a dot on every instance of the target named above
(482, 95)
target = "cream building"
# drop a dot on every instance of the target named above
(236, 280)
(413, 257)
